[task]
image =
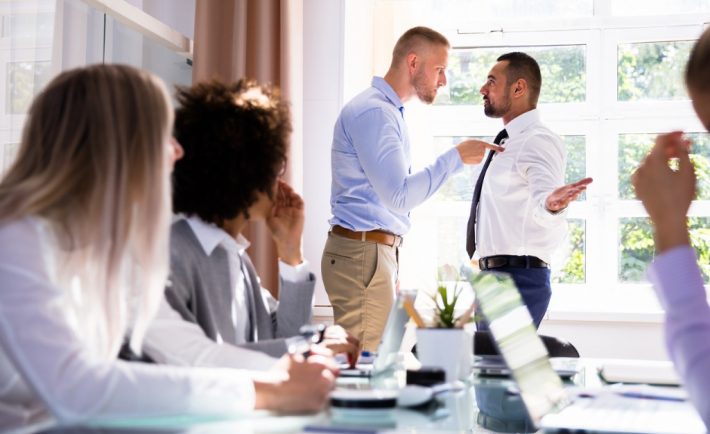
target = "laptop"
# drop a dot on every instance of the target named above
(549, 405)
(386, 356)
(565, 367)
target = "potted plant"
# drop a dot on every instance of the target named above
(448, 343)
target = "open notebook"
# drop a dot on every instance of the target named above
(550, 406)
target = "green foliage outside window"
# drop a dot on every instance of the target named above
(636, 246)
(563, 71)
(637, 250)
(634, 147)
(652, 70)
(574, 268)
(24, 79)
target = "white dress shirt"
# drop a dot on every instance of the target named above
(172, 340)
(48, 367)
(512, 217)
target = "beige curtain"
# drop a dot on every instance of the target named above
(262, 40)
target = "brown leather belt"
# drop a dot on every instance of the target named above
(376, 236)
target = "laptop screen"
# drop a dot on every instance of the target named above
(394, 332)
(522, 349)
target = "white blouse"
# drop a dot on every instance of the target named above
(47, 369)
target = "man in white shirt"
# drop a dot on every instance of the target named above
(517, 213)
(236, 143)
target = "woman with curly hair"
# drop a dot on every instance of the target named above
(236, 142)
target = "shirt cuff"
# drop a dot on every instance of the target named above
(453, 157)
(298, 273)
(676, 278)
(546, 218)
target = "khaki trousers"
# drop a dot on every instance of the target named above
(360, 279)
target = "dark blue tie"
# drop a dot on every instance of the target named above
(471, 227)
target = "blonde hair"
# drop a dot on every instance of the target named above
(413, 40)
(93, 165)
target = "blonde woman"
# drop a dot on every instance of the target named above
(84, 223)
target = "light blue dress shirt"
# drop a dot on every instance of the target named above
(373, 186)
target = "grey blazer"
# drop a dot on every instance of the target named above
(201, 292)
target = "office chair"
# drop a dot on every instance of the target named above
(483, 346)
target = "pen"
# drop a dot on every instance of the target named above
(637, 395)
(641, 395)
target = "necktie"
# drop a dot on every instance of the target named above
(471, 227)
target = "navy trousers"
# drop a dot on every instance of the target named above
(534, 287)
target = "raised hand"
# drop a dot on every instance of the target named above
(560, 198)
(286, 224)
(472, 151)
(666, 193)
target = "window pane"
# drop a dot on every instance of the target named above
(563, 69)
(659, 7)
(634, 147)
(652, 70)
(637, 248)
(460, 186)
(24, 79)
(576, 160)
(442, 12)
(451, 243)
(569, 263)
(132, 48)
(28, 24)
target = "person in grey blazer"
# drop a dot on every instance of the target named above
(235, 138)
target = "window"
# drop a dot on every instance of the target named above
(33, 50)
(612, 80)
(25, 65)
(24, 79)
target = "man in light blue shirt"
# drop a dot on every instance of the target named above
(374, 188)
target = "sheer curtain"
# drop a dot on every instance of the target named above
(261, 40)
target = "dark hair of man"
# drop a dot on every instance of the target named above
(413, 39)
(235, 139)
(697, 71)
(521, 65)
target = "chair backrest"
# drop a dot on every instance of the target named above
(483, 346)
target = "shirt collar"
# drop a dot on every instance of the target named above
(210, 236)
(518, 125)
(381, 84)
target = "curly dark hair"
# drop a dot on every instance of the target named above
(235, 138)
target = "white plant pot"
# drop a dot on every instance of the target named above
(449, 349)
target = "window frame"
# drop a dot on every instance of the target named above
(600, 118)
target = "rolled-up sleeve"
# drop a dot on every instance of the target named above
(379, 145)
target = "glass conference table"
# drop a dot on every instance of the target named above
(481, 404)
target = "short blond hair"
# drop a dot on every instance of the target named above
(414, 40)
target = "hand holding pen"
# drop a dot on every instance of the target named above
(319, 338)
